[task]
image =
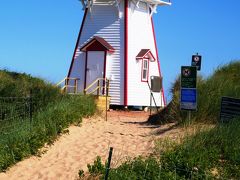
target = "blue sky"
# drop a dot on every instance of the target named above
(38, 37)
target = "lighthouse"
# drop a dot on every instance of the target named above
(117, 42)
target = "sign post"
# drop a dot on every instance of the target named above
(188, 96)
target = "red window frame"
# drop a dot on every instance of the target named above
(145, 69)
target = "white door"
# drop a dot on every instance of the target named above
(95, 67)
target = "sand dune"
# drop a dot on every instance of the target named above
(124, 131)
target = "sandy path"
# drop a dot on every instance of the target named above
(124, 131)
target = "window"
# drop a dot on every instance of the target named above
(145, 70)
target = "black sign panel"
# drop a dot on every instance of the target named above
(156, 83)
(188, 77)
(196, 61)
(230, 108)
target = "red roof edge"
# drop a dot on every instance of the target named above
(77, 43)
(102, 41)
(144, 52)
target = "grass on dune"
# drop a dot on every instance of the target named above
(28, 136)
(53, 112)
(13, 84)
(225, 81)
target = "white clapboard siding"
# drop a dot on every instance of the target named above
(104, 21)
(140, 37)
(78, 70)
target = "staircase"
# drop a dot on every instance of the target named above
(101, 103)
(66, 88)
(99, 89)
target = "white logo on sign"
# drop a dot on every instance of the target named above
(196, 58)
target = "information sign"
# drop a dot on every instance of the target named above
(188, 99)
(188, 77)
(230, 108)
(196, 61)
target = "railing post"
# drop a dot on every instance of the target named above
(107, 90)
(106, 98)
(66, 85)
(75, 85)
(98, 85)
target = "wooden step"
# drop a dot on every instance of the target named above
(101, 102)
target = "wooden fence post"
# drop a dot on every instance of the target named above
(109, 163)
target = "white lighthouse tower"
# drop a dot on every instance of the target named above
(117, 41)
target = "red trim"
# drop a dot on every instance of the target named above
(154, 59)
(144, 53)
(85, 76)
(147, 70)
(78, 39)
(126, 53)
(97, 44)
(105, 64)
(153, 31)
(104, 70)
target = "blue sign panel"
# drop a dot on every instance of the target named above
(188, 99)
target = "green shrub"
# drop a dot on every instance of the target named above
(97, 168)
(217, 148)
(225, 81)
(81, 173)
(139, 168)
